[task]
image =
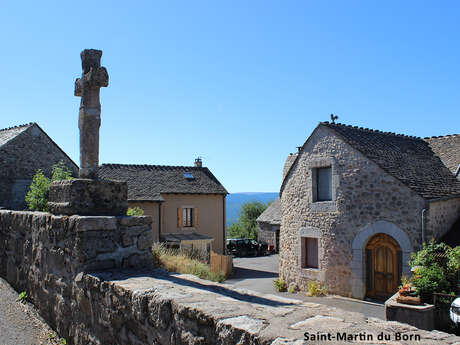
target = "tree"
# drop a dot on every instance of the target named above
(246, 227)
(37, 197)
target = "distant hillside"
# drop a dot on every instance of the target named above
(235, 200)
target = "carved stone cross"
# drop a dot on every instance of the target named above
(89, 120)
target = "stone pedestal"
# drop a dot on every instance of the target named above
(420, 316)
(88, 197)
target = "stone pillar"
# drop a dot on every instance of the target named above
(87, 195)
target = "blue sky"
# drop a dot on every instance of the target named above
(240, 83)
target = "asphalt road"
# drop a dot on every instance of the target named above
(258, 273)
(20, 324)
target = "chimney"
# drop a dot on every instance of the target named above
(198, 162)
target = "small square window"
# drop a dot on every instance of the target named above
(322, 184)
(309, 256)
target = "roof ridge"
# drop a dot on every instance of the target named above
(442, 136)
(327, 123)
(116, 165)
(18, 126)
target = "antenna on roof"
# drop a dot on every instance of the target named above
(333, 118)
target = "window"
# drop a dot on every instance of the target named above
(188, 176)
(187, 217)
(309, 252)
(322, 184)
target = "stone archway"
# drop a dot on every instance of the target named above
(359, 244)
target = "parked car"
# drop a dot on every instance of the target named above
(245, 247)
(455, 311)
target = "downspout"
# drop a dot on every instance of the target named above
(423, 226)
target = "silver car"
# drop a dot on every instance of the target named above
(455, 311)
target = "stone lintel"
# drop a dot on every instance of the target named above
(88, 197)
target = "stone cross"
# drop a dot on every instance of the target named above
(89, 119)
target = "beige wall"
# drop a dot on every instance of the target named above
(150, 209)
(211, 215)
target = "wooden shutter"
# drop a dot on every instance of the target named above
(179, 218)
(312, 252)
(195, 217)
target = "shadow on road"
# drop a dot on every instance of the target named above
(240, 273)
(171, 277)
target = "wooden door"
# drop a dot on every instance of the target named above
(383, 266)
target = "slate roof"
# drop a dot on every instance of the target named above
(447, 147)
(185, 236)
(148, 182)
(272, 214)
(7, 134)
(409, 159)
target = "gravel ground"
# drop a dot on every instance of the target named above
(20, 323)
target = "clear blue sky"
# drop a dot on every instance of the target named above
(240, 83)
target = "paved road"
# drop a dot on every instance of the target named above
(258, 273)
(20, 324)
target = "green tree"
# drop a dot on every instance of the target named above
(135, 211)
(37, 197)
(246, 227)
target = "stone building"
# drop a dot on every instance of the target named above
(268, 225)
(355, 203)
(186, 203)
(23, 150)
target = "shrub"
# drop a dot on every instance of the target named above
(37, 197)
(437, 266)
(280, 285)
(135, 211)
(183, 261)
(315, 289)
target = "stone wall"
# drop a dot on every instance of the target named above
(441, 215)
(54, 259)
(363, 194)
(42, 254)
(20, 159)
(266, 232)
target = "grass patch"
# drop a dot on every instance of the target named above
(181, 261)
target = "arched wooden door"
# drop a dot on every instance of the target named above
(383, 256)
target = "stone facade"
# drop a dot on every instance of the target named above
(365, 199)
(441, 216)
(267, 233)
(89, 278)
(20, 158)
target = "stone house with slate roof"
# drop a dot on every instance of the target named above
(23, 150)
(186, 203)
(268, 225)
(356, 202)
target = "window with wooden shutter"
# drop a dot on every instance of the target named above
(309, 252)
(187, 217)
